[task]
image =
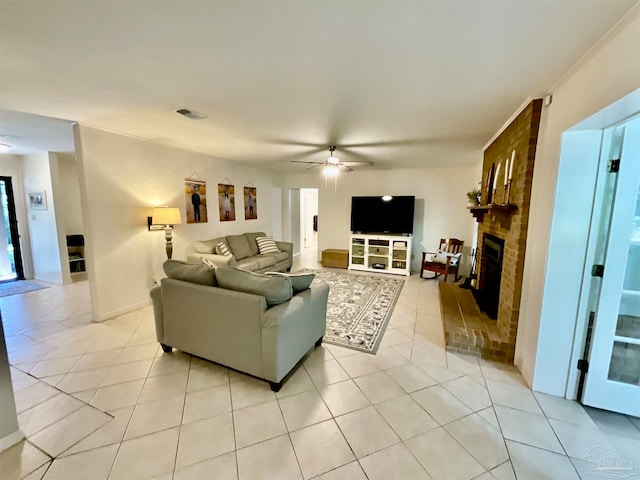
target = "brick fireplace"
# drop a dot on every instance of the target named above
(505, 224)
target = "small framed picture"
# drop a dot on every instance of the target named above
(38, 201)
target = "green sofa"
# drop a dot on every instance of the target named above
(245, 253)
(257, 324)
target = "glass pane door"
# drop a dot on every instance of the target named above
(10, 258)
(613, 381)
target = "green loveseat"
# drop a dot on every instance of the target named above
(257, 324)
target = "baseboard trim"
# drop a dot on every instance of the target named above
(120, 311)
(10, 440)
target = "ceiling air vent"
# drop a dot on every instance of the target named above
(191, 114)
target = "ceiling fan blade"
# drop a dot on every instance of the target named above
(356, 164)
(317, 147)
(302, 161)
(346, 168)
(315, 166)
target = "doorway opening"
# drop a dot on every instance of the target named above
(308, 218)
(10, 255)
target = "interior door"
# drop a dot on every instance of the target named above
(613, 379)
(10, 255)
(309, 210)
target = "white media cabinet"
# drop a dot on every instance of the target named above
(380, 253)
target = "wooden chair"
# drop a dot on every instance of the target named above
(450, 248)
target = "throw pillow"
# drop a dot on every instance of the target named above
(299, 281)
(209, 263)
(454, 259)
(276, 290)
(221, 249)
(441, 257)
(208, 246)
(267, 245)
(438, 258)
(189, 272)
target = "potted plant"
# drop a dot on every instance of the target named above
(473, 197)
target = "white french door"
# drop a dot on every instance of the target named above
(613, 378)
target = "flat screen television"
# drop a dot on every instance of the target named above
(377, 215)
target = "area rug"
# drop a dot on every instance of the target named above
(359, 308)
(19, 286)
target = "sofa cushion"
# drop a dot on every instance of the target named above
(189, 272)
(205, 246)
(239, 246)
(299, 281)
(275, 289)
(251, 238)
(265, 261)
(251, 264)
(279, 257)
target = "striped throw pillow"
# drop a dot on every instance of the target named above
(267, 245)
(223, 250)
(208, 263)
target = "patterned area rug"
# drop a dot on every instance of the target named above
(17, 287)
(359, 308)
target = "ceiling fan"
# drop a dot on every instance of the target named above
(332, 165)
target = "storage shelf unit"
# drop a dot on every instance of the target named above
(75, 248)
(380, 253)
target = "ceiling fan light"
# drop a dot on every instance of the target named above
(4, 147)
(333, 160)
(387, 198)
(331, 170)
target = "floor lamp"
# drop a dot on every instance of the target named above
(167, 216)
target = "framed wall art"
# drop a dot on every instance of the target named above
(195, 200)
(250, 203)
(226, 202)
(38, 201)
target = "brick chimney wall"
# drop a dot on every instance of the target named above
(511, 226)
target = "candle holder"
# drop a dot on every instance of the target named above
(507, 192)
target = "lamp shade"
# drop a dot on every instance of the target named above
(166, 216)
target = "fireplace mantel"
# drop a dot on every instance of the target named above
(479, 210)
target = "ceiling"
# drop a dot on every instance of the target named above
(403, 84)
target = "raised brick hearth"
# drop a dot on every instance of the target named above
(497, 338)
(467, 329)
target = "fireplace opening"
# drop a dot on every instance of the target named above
(488, 295)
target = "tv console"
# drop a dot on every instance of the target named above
(380, 253)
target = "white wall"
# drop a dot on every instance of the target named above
(609, 73)
(122, 178)
(40, 175)
(11, 166)
(440, 209)
(276, 206)
(69, 207)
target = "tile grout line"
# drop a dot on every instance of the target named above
(122, 440)
(493, 409)
(555, 434)
(184, 403)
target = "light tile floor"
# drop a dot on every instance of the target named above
(102, 401)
